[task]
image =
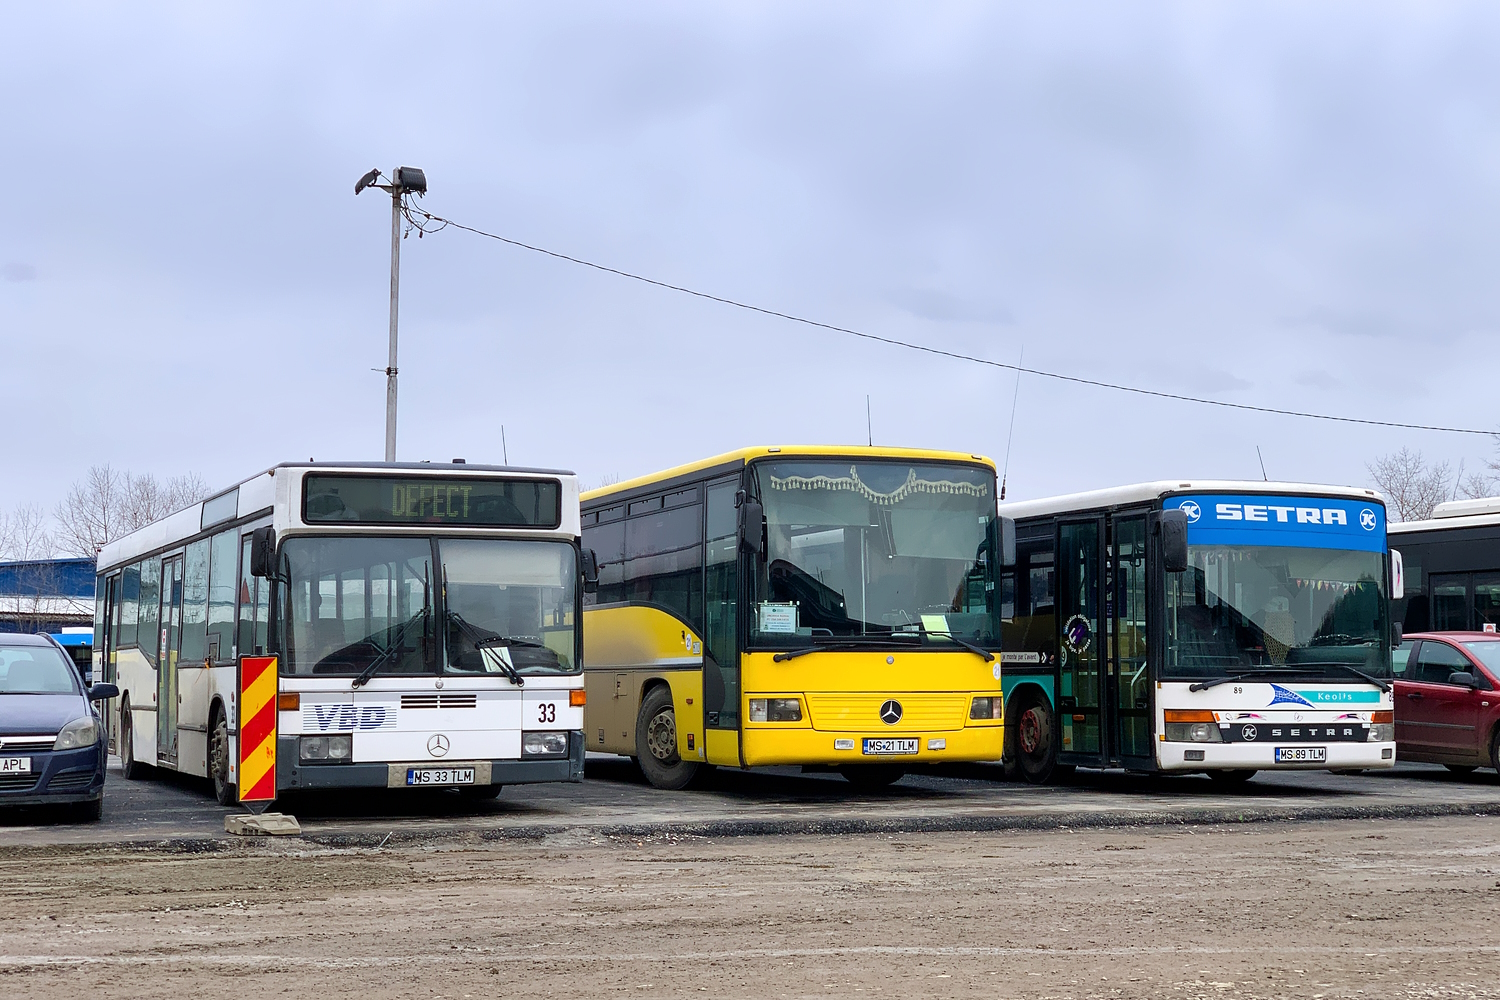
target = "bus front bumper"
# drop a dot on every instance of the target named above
(291, 774)
(1262, 756)
(767, 745)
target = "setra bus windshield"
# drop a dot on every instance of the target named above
(874, 549)
(1298, 611)
(366, 605)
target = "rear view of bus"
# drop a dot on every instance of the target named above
(796, 605)
(1222, 627)
(424, 619)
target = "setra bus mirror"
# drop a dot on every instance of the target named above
(263, 552)
(752, 527)
(590, 572)
(1174, 548)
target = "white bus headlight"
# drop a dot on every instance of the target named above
(336, 749)
(986, 708)
(544, 744)
(775, 710)
(77, 734)
(1383, 732)
(1192, 726)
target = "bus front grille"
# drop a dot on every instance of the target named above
(920, 711)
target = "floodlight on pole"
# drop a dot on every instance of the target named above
(404, 180)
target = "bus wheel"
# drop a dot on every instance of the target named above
(1231, 777)
(133, 769)
(218, 760)
(1035, 748)
(656, 742)
(868, 777)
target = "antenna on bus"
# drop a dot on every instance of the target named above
(1012, 432)
(1263, 475)
(869, 427)
(504, 451)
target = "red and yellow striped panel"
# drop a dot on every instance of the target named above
(257, 771)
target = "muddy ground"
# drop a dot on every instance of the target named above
(1373, 908)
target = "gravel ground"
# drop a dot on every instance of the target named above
(1340, 909)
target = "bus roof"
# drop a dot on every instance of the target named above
(1480, 512)
(258, 493)
(1120, 496)
(743, 455)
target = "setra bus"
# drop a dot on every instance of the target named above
(818, 606)
(1225, 627)
(1452, 563)
(425, 618)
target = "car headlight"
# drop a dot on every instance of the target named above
(78, 733)
(775, 710)
(544, 744)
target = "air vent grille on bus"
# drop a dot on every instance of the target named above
(439, 700)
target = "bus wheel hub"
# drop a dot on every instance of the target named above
(661, 736)
(1031, 731)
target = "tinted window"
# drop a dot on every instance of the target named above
(1486, 651)
(35, 670)
(608, 543)
(664, 561)
(195, 603)
(1436, 660)
(221, 576)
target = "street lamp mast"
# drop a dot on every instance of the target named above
(404, 180)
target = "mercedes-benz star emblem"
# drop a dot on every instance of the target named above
(1249, 733)
(438, 745)
(890, 712)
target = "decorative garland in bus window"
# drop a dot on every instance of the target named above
(853, 484)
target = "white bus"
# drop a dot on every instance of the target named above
(1223, 627)
(425, 618)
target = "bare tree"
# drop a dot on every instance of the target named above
(24, 534)
(106, 504)
(1412, 486)
(608, 479)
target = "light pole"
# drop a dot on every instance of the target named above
(405, 179)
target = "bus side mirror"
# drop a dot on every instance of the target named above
(263, 552)
(1396, 635)
(1398, 576)
(752, 527)
(1174, 549)
(1005, 542)
(590, 572)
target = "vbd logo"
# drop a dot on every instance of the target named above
(1367, 519)
(346, 718)
(1192, 510)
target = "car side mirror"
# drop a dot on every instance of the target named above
(1462, 678)
(1172, 526)
(263, 552)
(1005, 542)
(103, 692)
(590, 572)
(752, 527)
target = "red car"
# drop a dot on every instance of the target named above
(1448, 699)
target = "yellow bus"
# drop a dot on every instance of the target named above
(831, 607)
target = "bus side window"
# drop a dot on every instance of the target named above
(195, 603)
(245, 636)
(149, 615)
(664, 561)
(222, 571)
(130, 597)
(607, 539)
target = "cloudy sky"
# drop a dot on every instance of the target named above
(1289, 205)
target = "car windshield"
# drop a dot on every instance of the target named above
(509, 599)
(868, 549)
(1487, 652)
(1238, 608)
(36, 670)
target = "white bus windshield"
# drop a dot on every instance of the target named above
(1318, 611)
(513, 598)
(874, 548)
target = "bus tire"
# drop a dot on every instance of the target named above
(1232, 778)
(218, 760)
(1036, 741)
(132, 769)
(869, 777)
(656, 742)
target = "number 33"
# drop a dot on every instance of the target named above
(546, 712)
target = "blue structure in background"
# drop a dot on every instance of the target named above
(46, 595)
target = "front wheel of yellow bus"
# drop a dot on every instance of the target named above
(656, 742)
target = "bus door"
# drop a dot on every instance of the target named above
(1081, 647)
(721, 659)
(1128, 700)
(166, 658)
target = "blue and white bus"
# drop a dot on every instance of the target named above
(1220, 627)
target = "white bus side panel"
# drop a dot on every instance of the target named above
(137, 683)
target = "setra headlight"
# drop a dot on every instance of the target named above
(78, 734)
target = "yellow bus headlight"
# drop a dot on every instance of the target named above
(987, 708)
(775, 710)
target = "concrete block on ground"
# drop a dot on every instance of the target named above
(264, 825)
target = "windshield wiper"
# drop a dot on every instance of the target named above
(984, 654)
(1263, 672)
(792, 654)
(388, 654)
(488, 640)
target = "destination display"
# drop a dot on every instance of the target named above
(452, 501)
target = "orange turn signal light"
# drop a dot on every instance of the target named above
(288, 701)
(1379, 717)
(1189, 715)
(578, 697)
